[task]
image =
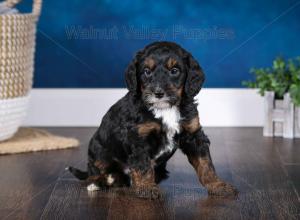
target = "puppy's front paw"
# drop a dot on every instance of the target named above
(147, 192)
(221, 188)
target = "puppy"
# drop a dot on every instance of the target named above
(158, 115)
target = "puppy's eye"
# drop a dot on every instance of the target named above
(174, 71)
(147, 72)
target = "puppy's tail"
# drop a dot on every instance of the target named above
(82, 175)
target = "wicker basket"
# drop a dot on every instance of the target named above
(17, 47)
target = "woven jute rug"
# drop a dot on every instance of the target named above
(32, 139)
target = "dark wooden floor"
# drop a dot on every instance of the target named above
(265, 170)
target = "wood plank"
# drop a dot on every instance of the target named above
(265, 170)
(29, 178)
(294, 175)
(71, 200)
(289, 150)
(265, 189)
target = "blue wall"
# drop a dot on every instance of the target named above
(227, 37)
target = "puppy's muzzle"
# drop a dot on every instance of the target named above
(159, 93)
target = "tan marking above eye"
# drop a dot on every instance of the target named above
(171, 63)
(146, 128)
(150, 63)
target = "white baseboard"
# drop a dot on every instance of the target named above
(86, 107)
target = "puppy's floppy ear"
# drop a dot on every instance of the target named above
(195, 76)
(131, 74)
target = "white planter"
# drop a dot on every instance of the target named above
(297, 122)
(12, 114)
(282, 118)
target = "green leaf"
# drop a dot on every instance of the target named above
(295, 94)
(282, 77)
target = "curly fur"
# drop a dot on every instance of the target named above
(135, 132)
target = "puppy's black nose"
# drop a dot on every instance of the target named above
(159, 93)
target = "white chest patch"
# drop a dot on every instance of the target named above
(170, 118)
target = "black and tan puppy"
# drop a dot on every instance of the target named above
(142, 130)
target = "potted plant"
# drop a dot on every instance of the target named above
(280, 86)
